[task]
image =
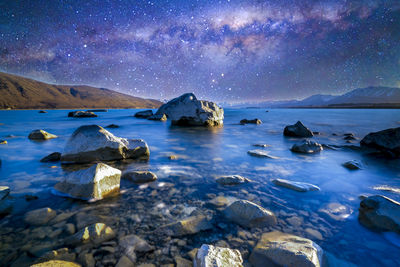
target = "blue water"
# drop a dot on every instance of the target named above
(204, 154)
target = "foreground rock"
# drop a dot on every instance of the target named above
(144, 114)
(41, 135)
(280, 249)
(352, 165)
(188, 226)
(81, 114)
(260, 154)
(384, 141)
(94, 183)
(380, 213)
(253, 121)
(210, 256)
(56, 263)
(40, 216)
(91, 143)
(307, 147)
(297, 130)
(186, 110)
(140, 176)
(53, 157)
(94, 234)
(132, 244)
(232, 180)
(249, 214)
(4, 192)
(5, 203)
(296, 186)
(158, 117)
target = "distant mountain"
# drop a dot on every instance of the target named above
(17, 92)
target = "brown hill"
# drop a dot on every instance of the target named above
(17, 92)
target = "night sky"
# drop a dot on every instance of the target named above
(226, 51)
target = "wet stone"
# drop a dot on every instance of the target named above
(40, 216)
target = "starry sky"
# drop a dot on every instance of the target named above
(225, 51)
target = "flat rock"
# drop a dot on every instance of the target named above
(140, 176)
(40, 216)
(41, 135)
(132, 244)
(297, 130)
(158, 117)
(253, 121)
(91, 143)
(4, 192)
(94, 234)
(352, 165)
(281, 249)
(249, 214)
(307, 147)
(82, 114)
(94, 183)
(380, 213)
(53, 157)
(387, 141)
(260, 154)
(232, 180)
(211, 256)
(144, 114)
(336, 211)
(188, 226)
(297, 186)
(56, 263)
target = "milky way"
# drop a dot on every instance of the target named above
(227, 51)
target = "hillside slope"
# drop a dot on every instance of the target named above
(17, 92)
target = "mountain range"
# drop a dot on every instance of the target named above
(18, 92)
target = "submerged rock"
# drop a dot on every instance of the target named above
(56, 263)
(297, 130)
(210, 256)
(94, 234)
(281, 249)
(232, 180)
(297, 186)
(260, 154)
(385, 141)
(53, 157)
(380, 213)
(144, 114)
(81, 114)
(140, 176)
(91, 143)
(158, 117)
(188, 226)
(132, 244)
(307, 147)
(336, 211)
(96, 182)
(249, 214)
(5, 204)
(253, 121)
(40, 216)
(352, 165)
(186, 110)
(41, 135)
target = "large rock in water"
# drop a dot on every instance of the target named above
(280, 249)
(380, 213)
(187, 226)
(296, 186)
(210, 256)
(249, 214)
(386, 141)
(96, 182)
(40, 216)
(91, 143)
(307, 147)
(81, 114)
(297, 130)
(144, 114)
(41, 135)
(188, 111)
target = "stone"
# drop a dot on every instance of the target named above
(113, 126)
(53, 157)
(314, 233)
(124, 261)
(336, 211)
(59, 254)
(81, 114)
(181, 262)
(211, 256)
(187, 226)
(385, 141)
(352, 165)
(281, 249)
(307, 147)
(380, 213)
(296, 186)
(144, 114)
(297, 130)
(40, 216)
(232, 180)
(56, 263)
(4, 192)
(158, 117)
(186, 110)
(3, 142)
(42, 111)
(253, 121)
(87, 259)
(133, 243)
(91, 143)
(93, 183)
(140, 176)
(260, 154)
(249, 214)
(261, 145)
(95, 234)
(41, 135)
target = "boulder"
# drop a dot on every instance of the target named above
(253, 121)
(158, 117)
(188, 226)
(144, 114)
(41, 135)
(296, 186)
(56, 263)
(40, 216)
(297, 130)
(380, 213)
(210, 256)
(95, 234)
(53, 157)
(281, 249)
(92, 143)
(94, 183)
(249, 214)
(307, 147)
(352, 165)
(385, 141)
(260, 154)
(140, 176)
(186, 110)
(232, 180)
(81, 114)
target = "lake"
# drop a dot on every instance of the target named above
(187, 184)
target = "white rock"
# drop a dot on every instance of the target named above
(210, 256)
(261, 154)
(297, 186)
